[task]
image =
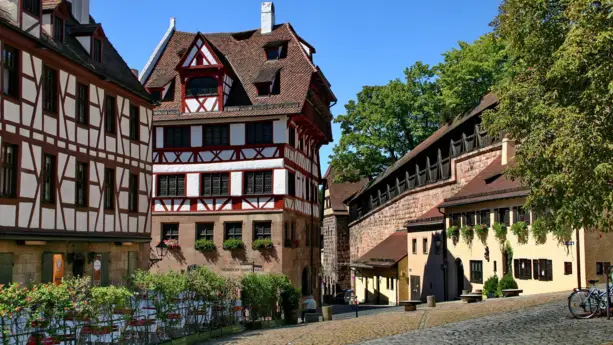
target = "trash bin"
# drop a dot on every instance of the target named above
(326, 313)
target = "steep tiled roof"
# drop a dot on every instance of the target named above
(339, 192)
(432, 217)
(244, 55)
(387, 253)
(489, 184)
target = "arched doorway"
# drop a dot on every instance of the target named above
(459, 269)
(306, 286)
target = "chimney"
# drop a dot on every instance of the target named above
(268, 17)
(80, 10)
(508, 150)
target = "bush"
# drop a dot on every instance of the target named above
(507, 282)
(205, 245)
(468, 234)
(490, 288)
(481, 230)
(539, 231)
(261, 244)
(500, 231)
(520, 229)
(233, 244)
(453, 232)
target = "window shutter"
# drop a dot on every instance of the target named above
(506, 217)
(47, 275)
(496, 216)
(515, 214)
(6, 268)
(535, 269)
(528, 269)
(104, 279)
(516, 268)
(132, 262)
(549, 270)
(163, 185)
(268, 182)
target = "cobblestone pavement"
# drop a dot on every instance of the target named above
(545, 324)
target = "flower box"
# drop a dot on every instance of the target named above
(262, 244)
(233, 244)
(205, 246)
(141, 322)
(172, 244)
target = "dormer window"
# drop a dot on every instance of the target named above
(97, 50)
(273, 53)
(268, 81)
(32, 7)
(276, 50)
(201, 86)
(58, 29)
(156, 95)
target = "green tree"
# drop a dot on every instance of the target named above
(385, 123)
(556, 102)
(469, 72)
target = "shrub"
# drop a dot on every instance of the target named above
(105, 299)
(468, 234)
(290, 302)
(520, 229)
(481, 230)
(539, 231)
(507, 282)
(500, 231)
(261, 244)
(490, 288)
(233, 244)
(205, 245)
(453, 232)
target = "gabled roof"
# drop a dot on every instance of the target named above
(243, 54)
(490, 184)
(199, 46)
(432, 217)
(387, 253)
(339, 192)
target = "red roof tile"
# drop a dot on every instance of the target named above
(339, 192)
(387, 253)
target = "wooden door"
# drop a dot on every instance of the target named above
(415, 288)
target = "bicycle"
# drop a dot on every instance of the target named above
(585, 303)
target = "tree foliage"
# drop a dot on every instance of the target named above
(556, 102)
(385, 123)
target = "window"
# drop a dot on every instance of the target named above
(176, 137)
(82, 103)
(545, 267)
(204, 231)
(58, 29)
(261, 231)
(216, 135)
(292, 136)
(258, 182)
(10, 59)
(501, 215)
(214, 184)
(8, 172)
(170, 232)
(171, 185)
(469, 218)
(32, 7)
(291, 184)
(414, 242)
(522, 268)
(273, 53)
(81, 185)
(263, 89)
(521, 215)
(156, 95)
(6, 268)
(109, 188)
(483, 217)
(476, 272)
(602, 267)
(425, 244)
(327, 202)
(392, 283)
(495, 267)
(50, 89)
(259, 133)
(134, 123)
(201, 86)
(109, 115)
(49, 179)
(568, 268)
(133, 193)
(535, 269)
(234, 230)
(456, 219)
(97, 50)
(307, 189)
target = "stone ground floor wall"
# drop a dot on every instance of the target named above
(285, 257)
(373, 228)
(335, 261)
(27, 260)
(597, 251)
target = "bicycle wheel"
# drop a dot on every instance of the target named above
(581, 306)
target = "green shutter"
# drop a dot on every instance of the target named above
(132, 262)
(47, 276)
(104, 274)
(6, 268)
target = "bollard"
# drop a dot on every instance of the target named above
(431, 301)
(326, 313)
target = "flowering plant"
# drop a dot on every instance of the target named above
(171, 243)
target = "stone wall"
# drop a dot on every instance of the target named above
(370, 230)
(335, 265)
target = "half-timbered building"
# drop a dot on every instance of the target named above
(75, 134)
(237, 132)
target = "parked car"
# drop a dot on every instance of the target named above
(344, 297)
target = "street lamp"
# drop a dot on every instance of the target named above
(437, 243)
(161, 250)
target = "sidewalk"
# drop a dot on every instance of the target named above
(384, 324)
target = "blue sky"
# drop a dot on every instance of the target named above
(358, 42)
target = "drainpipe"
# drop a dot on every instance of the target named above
(445, 268)
(312, 217)
(578, 259)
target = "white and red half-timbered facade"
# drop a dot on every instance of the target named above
(237, 131)
(75, 138)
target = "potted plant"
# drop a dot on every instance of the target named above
(205, 245)
(454, 233)
(295, 244)
(468, 234)
(233, 244)
(520, 229)
(172, 244)
(500, 231)
(262, 244)
(481, 230)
